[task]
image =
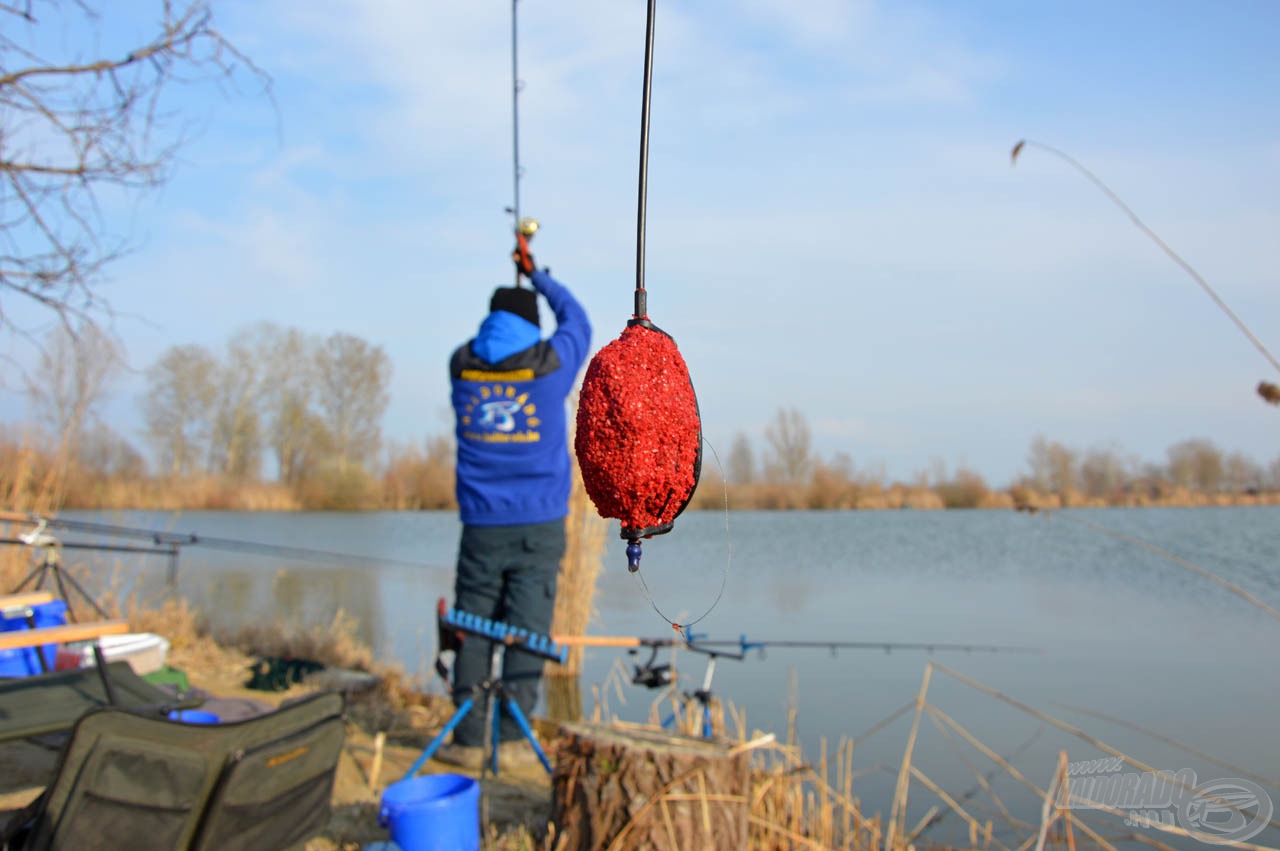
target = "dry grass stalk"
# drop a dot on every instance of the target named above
(31, 482)
(1013, 772)
(576, 586)
(924, 822)
(1146, 840)
(1078, 733)
(898, 814)
(1051, 810)
(1182, 746)
(793, 705)
(948, 800)
(176, 619)
(791, 802)
(638, 816)
(335, 643)
(984, 782)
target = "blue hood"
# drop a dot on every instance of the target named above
(502, 334)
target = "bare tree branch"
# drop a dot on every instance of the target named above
(72, 126)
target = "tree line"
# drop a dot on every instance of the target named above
(790, 474)
(279, 418)
(273, 406)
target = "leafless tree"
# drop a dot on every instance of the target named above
(792, 443)
(1196, 464)
(70, 380)
(82, 116)
(1271, 475)
(1053, 466)
(1103, 472)
(292, 429)
(103, 452)
(1241, 473)
(742, 461)
(352, 378)
(242, 386)
(179, 406)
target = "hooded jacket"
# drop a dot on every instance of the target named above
(509, 390)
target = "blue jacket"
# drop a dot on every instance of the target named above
(509, 391)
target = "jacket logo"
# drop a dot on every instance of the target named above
(499, 415)
(496, 413)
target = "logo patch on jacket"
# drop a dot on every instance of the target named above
(499, 413)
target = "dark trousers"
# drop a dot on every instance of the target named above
(508, 574)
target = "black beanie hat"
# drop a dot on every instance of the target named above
(518, 300)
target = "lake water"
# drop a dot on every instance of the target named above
(1125, 631)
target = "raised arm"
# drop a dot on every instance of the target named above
(573, 330)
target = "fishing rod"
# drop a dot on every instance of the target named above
(526, 226)
(739, 647)
(173, 540)
(1269, 392)
(451, 624)
(652, 675)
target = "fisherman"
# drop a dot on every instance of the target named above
(513, 476)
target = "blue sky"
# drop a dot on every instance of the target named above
(833, 222)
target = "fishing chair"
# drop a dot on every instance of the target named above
(127, 781)
(51, 703)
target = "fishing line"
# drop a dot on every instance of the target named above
(724, 576)
(639, 428)
(1236, 589)
(1017, 149)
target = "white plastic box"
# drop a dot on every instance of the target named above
(144, 651)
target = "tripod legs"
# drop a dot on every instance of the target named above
(439, 739)
(514, 709)
(493, 695)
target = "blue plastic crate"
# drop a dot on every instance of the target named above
(23, 661)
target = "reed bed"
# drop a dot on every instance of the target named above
(799, 803)
(31, 481)
(576, 585)
(575, 598)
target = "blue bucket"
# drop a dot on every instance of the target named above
(436, 812)
(23, 661)
(193, 716)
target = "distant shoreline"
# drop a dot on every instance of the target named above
(218, 495)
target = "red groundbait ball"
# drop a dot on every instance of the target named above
(639, 439)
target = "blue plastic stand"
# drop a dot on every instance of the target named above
(491, 690)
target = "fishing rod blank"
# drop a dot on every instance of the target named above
(516, 86)
(887, 646)
(744, 644)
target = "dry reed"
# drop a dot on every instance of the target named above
(31, 481)
(795, 804)
(576, 584)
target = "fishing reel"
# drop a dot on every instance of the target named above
(651, 675)
(526, 226)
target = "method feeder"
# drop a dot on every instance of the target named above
(639, 434)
